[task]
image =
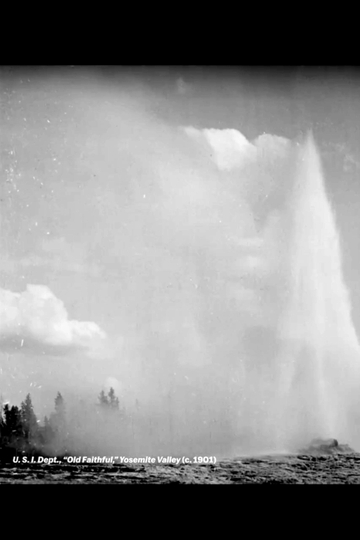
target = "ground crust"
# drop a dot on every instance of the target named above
(294, 469)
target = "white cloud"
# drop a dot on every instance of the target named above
(271, 146)
(230, 149)
(37, 314)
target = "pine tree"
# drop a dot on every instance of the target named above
(2, 404)
(48, 433)
(28, 420)
(103, 400)
(2, 425)
(58, 418)
(12, 428)
(60, 405)
(58, 425)
(113, 400)
(110, 403)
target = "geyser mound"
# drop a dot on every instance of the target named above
(328, 446)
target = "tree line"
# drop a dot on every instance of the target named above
(22, 433)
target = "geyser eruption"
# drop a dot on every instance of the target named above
(319, 356)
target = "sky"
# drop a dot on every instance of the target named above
(139, 221)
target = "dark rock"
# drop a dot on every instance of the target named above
(329, 443)
(326, 446)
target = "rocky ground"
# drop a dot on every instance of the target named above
(302, 469)
(323, 463)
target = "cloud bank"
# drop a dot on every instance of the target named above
(38, 315)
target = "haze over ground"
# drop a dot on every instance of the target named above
(140, 213)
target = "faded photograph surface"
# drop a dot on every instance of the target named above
(179, 262)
